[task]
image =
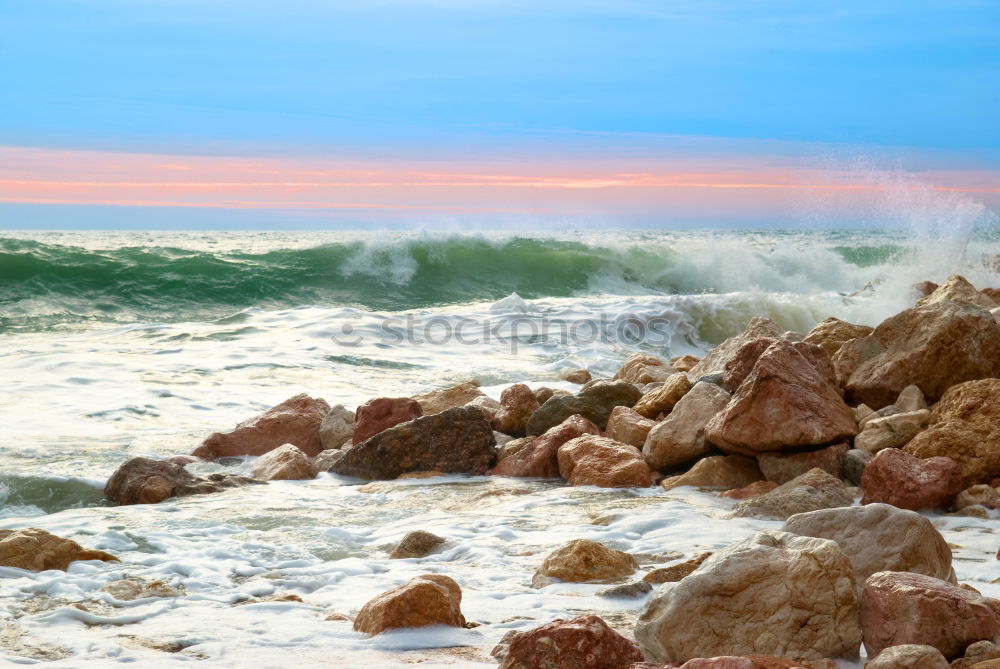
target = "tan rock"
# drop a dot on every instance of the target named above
(603, 462)
(782, 468)
(909, 656)
(911, 398)
(776, 593)
(285, 463)
(37, 550)
(684, 363)
(540, 457)
(982, 494)
(662, 400)
(517, 403)
(382, 413)
(513, 446)
(579, 376)
(893, 431)
(957, 289)
(295, 421)
(833, 333)
(628, 427)
(814, 490)
(680, 437)
(336, 428)
(983, 652)
(584, 561)
(718, 471)
(861, 412)
(584, 641)
(676, 572)
(416, 544)
(716, 359)
(436, 401)
(430, 599)
(642, 369)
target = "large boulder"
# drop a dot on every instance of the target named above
(436, 401)
(743, 361)
(336, 428)
(934, 347)
(716, 359)
(381, 413)
(584, 561)
(286, 463)
(785, 404)
(584, 641)
(294, 421)
(661, 400)
(909, 656)
(37, 550)
(539, 457)
(903, 608)
(833, 333)
(957, 289)
(879, 537)
(430, 599)
(148, 481)
(603, 462)
(898, 478)
(594, 402)
(776, 593)
(641, 369)
(718, 471)
(517, 403)
(965, 426)
(680, 437)
(628, 427)
(458, 440)
(812, 491)
(782, 468)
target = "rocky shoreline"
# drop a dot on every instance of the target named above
(842, 434)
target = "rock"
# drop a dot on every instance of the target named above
(902, 608)
(642, 369)
(684, 363)
(925, 288)
(579, 376)
(539, 457)
(416, 544)
(785, 404)
(328, 458)
(853, 465)
(833, 333)
(783, 468)
(888, 410)
(993, 294)
(517, 403)
(543, 394)
(487, 405)
(718, 471)
(917, 346)
(979, 652)
(380, 414)
(752, 662)
(336, 428)
(909, 656)
(458, 440)
(628, 427)
(37, 550)
(603, 462)
(680, 437)
(716, 359)
(776, 593)
(965, 426)
(755, 489)
(676, 572)
(861, 412)
(147, 481)
(429, 599)
(436, 401)
(511, 447)
(814, 490)
(295, 421)
(593, 402)
(911, 398)
(958, 290)
(898, 478)
(285, 463)
(893, 431)
(662, 400)
(626, 590)
(128, 590)
(981, 494)
(879, 537)
(584, 641)
(584, 561)
(742, 363)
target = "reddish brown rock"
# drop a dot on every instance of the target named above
(785, 404)
(642, 369)
(628, 427)
(539, 457)
(543, 394)
(903, 608)
(604, 462)
(755, 489)
(716, 359)
(661, 400)
(436, 401)
(743, 361)
(294, 421)
(147, 481)
(957, 289)
(919, 346)
(517, 403)
(285, 463)
(416, 544)
(833, 333)
(578, 376)
(783, 468)
(718, 471)
(37, 550)
(584, 561)
(684, 363)
(898, 478)
(584, 641)
(380, 414)
(925, 288)
(430, 599)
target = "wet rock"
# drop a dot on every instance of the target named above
(416, 544)
(684, 363)
(676, 572)
(336, 428)
(903, 608)
(628, 427)
(716, 359)
(785, 404)
(909, 656)
(458, 440)
(430, 599)
(958, 290)
(642, 369)
(285, 463)
(911, 398)
(814, 490)
(517, 403)
(983, 495)
(925, 288)
(380, 414)
(584, 561)
(773, 593)
(893, 431)
(594, 402)
(718, 471)
(539, 457)
(783, 468)
(295, 421)
(511, 447)
(128, 590)
(680, 437)
(603, 462)
(917, 346)
(544, 393)
(37, 550)
(147, 481)
(579, 376)
(879, 537)
(833, 333)
(898, 478)
(661, 400)
(584, 641)
(436, 401)
(328, 458)
(965, 426)
(755, 489)
(626, 590)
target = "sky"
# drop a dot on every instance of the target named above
(624, 113)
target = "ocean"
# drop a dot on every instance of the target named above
(115, 345)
